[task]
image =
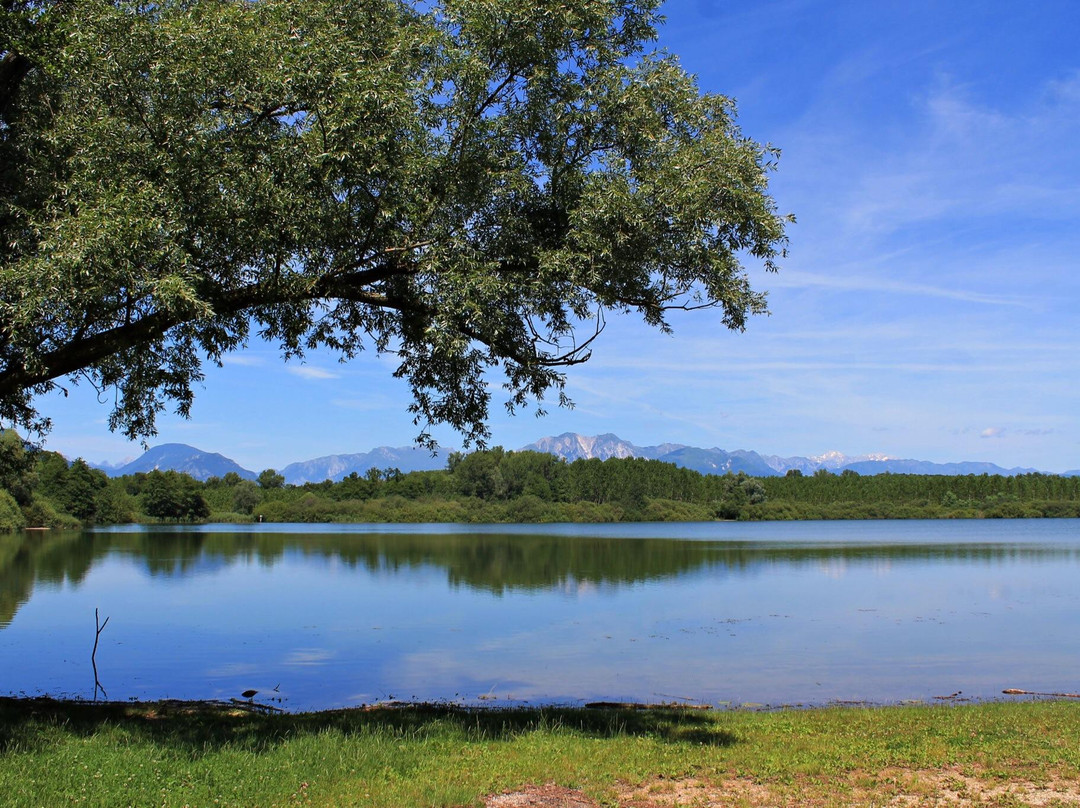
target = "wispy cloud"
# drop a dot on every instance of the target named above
(243, 360)
(869, 283)
(630, 394)
(965, 159)
(715, 371)
(309, 372)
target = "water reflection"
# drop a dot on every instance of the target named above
(489, 562)
(783, 612)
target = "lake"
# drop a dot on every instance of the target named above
(321, 616)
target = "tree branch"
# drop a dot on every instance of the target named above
(77, 354)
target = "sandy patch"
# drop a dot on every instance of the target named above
(546, 796)
(900, 788)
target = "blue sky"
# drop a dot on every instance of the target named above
(927, 309)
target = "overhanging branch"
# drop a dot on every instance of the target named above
(84, 352)
(81, 353)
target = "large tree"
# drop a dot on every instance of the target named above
(470, 184)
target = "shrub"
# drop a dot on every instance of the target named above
(115, 506)
(11, 518)
(526, 508)
(669, 510)
(41, 513)
(231, 517)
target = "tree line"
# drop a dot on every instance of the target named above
(42, 489)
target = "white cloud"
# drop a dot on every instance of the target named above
(308, 372)
(964, 160)
(870, 283)
(242, 359)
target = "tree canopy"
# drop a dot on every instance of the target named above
(468, 184)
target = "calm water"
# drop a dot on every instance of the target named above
(717, 613)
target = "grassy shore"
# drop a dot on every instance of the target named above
(170, 754)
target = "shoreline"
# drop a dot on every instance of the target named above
(1011, 696)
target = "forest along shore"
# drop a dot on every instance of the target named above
(42, 489)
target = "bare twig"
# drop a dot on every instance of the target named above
(98, 628)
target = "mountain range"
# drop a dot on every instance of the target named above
(569, 446)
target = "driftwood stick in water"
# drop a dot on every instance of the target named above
(98, 628)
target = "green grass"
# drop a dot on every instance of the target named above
(56, 753)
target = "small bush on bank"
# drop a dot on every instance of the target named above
(11, 518)
(41, 513)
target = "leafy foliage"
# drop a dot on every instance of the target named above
(17, 475)
(466, 184)
(269, 478)
(171, 496)
(246, 496)
(11, 518)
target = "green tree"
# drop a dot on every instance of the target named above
(160, 496)
(737, 492)
(17, 475)
(192, 505)
(114, 504)
(471, 185)
(479, 474)
(246, 496)
(82, 487)
(353, 486)
(269, 478)
(11, 517)
(172, 496)
(51, 469)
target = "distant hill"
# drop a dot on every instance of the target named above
(569, 446)
(926, 467)
(181, 457)
(203, 465)
(337, 467)
(717, 461)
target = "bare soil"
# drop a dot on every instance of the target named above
(898, 788)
